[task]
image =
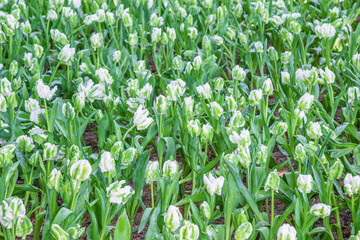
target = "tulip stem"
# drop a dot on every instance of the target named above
(272, 208)
(74, 197)
(152, 195)
(128, 132)
(53, 75)
(248, 179)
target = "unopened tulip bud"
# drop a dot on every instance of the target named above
(238, 73)
(80, 170)
(173, 218)
(279, 128)
(352, 184)
(267, 87)
(35, 158)
(23, 227)
(216, 110)
(14, 66)
(244, 231)
(262, 155)
(255, 97)
(273, 54)
(320, 210)
(152, 171)
(273, 181)
(194, 127)
(177, 63)
(325, 30)
(286, 232)
(68, 111)
(213, 185)
(205, 210)
(189, 231)
(207, 133)
(50, 151)
(204, 91)
(304, 183)
(25, 143)
(107, 162)
(219, 84)
(54, 180)
(336, 170)
(170, 168)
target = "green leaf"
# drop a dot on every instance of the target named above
(123, 227)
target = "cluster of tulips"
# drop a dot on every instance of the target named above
(208, 115)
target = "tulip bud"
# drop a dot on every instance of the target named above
(213, 185)
(352, 184)
(304, 183)
(152, 171)
(116, 149)
(353, 93)
(327, 76)
(5, 87)
(286, 36)
(314, 130)
(244, 231)
(325, 30)
(267, 87)
(116, 56)
(320, 210)
(286, 232)
(238, 73)
(262, 155)
(305, 102)
(273, 54)
(194, 127)
(76, 231)
(205, 210)
(58, 232)
(189, 105)
(80, 170)
(189, 231)
(141, 119)
(219, 84)
(170, 168)
(156, 35)
(295, 27)
(356, 60)
(14, 66)
(285, 57)
(23, 227)
(231, 103)
(38, 50)
(255, 97)
(243, 153)
(35, 158)
(3, 104)
(54, 180)
(50, 151)
(107, 162)
(272, 182)
(177, 63)
(119, 194)
(127, 19)
(133, 39)
(218, 40)
(197, 62)
(279, 128)
(336, 170)
(68, 111)
(207, 133)
(172, 218)
(216, 110)
(206, 45)
(204, 91)
(25, 143)
(300, 153)
(66, 55)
